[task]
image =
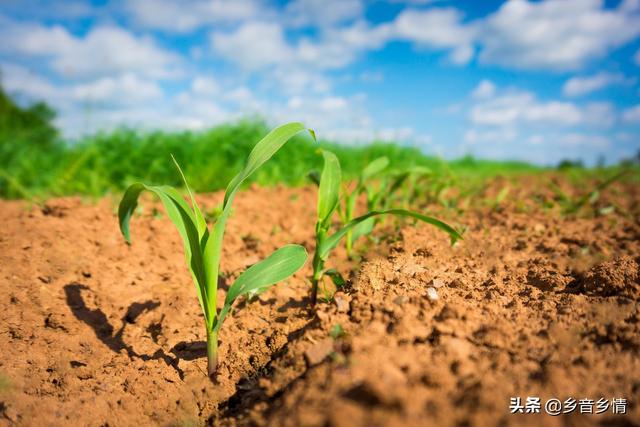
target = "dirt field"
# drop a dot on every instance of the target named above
(530, 303)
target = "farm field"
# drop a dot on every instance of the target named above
(320, 213)
(537, 299)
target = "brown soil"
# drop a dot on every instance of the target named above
(93, 332)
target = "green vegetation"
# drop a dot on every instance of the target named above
(328, 201)
(203, 247)
(351, 197)
(36, 164)
(571, 204)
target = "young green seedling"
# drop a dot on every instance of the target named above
(203, 246)
(571, 205)
(328, 200)
(350, 199)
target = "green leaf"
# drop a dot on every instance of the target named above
(336, 277)
(333, 240)
(362, 229)
(201, 223)
(263, 151)
(329, 191)
(337, 331)
(502, 195)
(276, 267)
(374, 168)
(184, 220)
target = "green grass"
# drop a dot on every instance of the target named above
(110, 162)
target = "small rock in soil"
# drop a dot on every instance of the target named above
(432, 294)
(342, 303)
(437, 283)
(319, 351)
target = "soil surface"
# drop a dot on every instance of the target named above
(530, 304)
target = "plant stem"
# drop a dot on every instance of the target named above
(212, 353)
(318, 265)
(349, 244)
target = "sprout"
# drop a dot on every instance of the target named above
(203, 246)
(350, 199)
(328, 200)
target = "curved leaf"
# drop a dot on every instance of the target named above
(362, 229)
(182, 217)
(329, 190)
(276, 267)
(373, 168)
(197, 213)
(263, 151)
(333, 240)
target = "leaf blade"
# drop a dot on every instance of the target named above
(281, 264)
(333, 240)
(182, 218)
(374, 167)
(329, 189)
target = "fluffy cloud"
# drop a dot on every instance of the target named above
(515, 108)
(632, 115)
(21, 81)
(437, 29)
(577, 86)
(189, 15)
(491, 136)
(523, 107)
(103, 51)
(485, 89)
(127, 89)
(254, 45)
(557, 35)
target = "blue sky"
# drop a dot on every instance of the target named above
(531, 80)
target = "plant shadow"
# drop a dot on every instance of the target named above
(104, 331)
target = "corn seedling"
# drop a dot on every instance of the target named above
(328, 201)
(350, 199)
(203, 246)
(570, 205)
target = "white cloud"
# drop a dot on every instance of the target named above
(632, 115)
(514, 107)
(582, 140)
(260, 46)
(523, 107)
(558, 35)
(599, 114)
(189, 15)
(491, 136)
(127, 89)
(437, 29)
(323, 13)
(577, 86)
(205, 86)
(19, 80)
(254, 45)
(333, 103)
(103, 51)
(485, 89)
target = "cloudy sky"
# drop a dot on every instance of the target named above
(532, 80)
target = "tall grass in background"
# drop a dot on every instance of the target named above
(109, 162)
(35, 163)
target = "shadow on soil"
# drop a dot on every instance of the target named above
(249, 393)
(99, 322)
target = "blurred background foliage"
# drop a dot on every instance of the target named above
(35, 162)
